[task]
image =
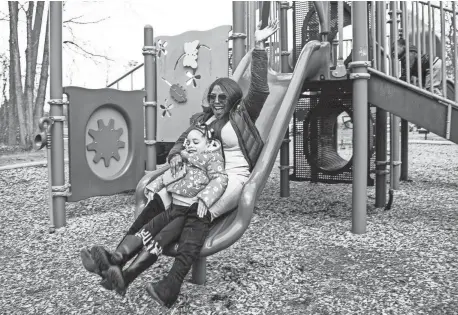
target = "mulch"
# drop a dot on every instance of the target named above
(297, 257)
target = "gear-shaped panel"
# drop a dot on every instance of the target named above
(106, 142)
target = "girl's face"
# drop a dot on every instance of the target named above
(218, 101)
(195, 142)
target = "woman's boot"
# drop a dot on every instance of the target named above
(120, 279)
(195, 231)
(166, 291)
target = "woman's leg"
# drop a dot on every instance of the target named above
(192, 239)
(152, 249)
(230, 198)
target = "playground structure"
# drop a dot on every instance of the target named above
(107, 124)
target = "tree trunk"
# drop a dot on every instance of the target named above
(36, 32)
(15, 68)
(3, 122)
(41, 93)
(29, 85)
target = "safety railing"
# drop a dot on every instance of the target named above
(129, 74)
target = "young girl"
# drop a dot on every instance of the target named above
(200, 183)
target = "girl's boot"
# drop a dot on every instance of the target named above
(100, 259)
(104, 259)
(120, 279)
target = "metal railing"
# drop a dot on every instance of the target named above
(130, 72)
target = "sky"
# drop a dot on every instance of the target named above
(120, 35)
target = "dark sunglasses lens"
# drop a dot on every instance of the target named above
(222, 97)
(212, 97)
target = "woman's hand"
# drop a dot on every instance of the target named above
(176, 163)
(201, 209)
(261, 35)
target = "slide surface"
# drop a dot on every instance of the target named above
(414, 104)
(272, 124)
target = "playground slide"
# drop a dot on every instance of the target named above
(272, 123)
(414, 104)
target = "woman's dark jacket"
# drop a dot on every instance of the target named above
(243, 116)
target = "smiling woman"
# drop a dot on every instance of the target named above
(232, 117)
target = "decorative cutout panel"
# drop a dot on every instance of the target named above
(106, 143)
(186, 66)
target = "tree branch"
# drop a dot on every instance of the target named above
(86, 53)
(74, 20)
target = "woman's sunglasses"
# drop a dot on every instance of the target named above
(221, 97)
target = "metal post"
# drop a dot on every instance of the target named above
(419, 79)
(360, 115)
(199, 271)
(423, 32)
(405, 123)
(434, 31)
(322, 10)
(340, 70)
(238, 33)
(431, 38)
(284, 150)
(395, 121)
(378, 65)
(56, 110)
(455, 54)
(340, 21)
(380, 122)
(149, 52)
(250, 22)
(443, 52)
(373, 34)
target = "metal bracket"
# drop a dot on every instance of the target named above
(150, 142)
(57, 118)
(57, 101)
(286, 140)
(150, 103)
(285, 53)
(237, 35)
(149, 50)
(382, 172)
(61, 191)
(285, 167)
(285, 5)
(355, 64)
(340, 70)
(354, 76)
(397, 163)
(381, 163)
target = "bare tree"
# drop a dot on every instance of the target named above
(28, 95)
(16, 94)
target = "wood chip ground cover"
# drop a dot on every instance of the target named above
(297, 257)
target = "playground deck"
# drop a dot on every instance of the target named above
(297, 257)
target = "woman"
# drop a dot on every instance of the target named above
(232, 118)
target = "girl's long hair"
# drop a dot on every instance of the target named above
(234, 96)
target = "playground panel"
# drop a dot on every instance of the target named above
(186, 66)
(106, 142)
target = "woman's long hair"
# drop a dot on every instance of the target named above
(234, 96)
